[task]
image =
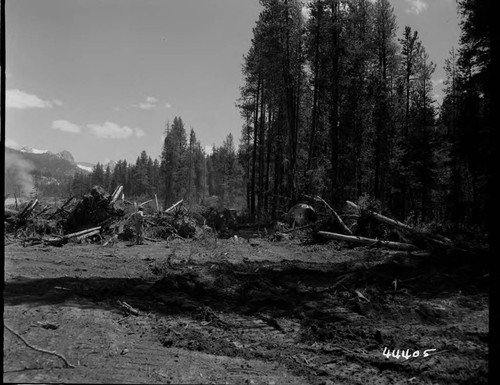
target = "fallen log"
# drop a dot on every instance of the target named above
(369, 241)
(334, 213)
(93, 229)
(79, 235)
(89, 234)
(436, 238)
(174, 206)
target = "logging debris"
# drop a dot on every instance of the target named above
(366, 228)
(104, 218)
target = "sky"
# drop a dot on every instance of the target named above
(101, 78)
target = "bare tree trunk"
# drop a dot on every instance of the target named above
(334, 113)
(254, 150)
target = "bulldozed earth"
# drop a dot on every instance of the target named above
(244, 310)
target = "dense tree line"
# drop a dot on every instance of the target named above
(336, 104)
(183, 171)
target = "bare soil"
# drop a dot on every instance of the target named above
(244, 311)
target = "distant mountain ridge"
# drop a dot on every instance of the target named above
(45, 163)
(31, 154)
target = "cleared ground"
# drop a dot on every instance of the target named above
(241, 311)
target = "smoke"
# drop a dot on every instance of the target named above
(18, 178)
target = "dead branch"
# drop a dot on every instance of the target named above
(66, 363)
(61, 209)
(339, 281)
(157, 206)
(145, 203)
(174, 206)
(369, 241)
(29, 208)
(128, 307)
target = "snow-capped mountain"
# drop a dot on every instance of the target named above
(85, 166)
(33, 153)
(31, 150)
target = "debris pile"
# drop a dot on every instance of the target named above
(95, 208)
(366, 228)
(101, 217)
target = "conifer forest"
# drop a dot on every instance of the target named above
(341, 106)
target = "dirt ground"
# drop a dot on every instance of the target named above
(244, 311)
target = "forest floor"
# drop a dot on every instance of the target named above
(244, 311)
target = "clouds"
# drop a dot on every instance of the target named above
(416, 6)
(21, 100)
(150, 103)
(114, 131)
(65, 126)
(106, 130)
(17, 99)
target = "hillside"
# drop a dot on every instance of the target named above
(25, 170)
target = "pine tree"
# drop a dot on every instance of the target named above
(174, 170)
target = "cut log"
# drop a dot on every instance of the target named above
(174, 206)
(116, 194)
(77, 234)
(89, 234)
(369, 241)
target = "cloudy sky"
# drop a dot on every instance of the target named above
(100, 78)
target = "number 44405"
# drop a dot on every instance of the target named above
(405, 353)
